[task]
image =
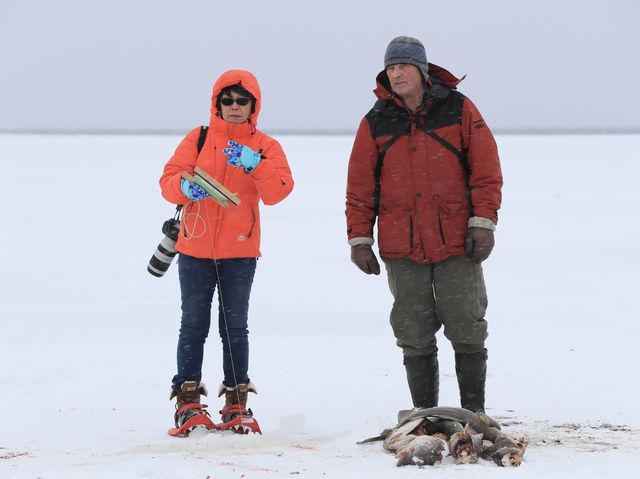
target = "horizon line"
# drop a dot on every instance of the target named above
(303, 132)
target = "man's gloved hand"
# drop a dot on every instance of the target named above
(192, 191)
(478, 244)
(242, 155)
(363, 257)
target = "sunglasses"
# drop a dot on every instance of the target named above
(242, 101)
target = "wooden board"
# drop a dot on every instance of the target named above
(217, 196)
(217, 185)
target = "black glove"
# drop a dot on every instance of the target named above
(478, 244)
(362, 256)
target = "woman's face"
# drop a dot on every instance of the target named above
(232, 108)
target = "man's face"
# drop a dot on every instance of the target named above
(406, 80)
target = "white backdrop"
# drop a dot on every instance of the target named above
(148, 65)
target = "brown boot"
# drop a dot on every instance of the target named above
(235, 400)
(189, 393)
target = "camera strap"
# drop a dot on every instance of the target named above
(202, 138)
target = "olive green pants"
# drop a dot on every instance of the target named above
(427, 296)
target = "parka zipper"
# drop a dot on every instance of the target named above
(441, 230)
(410, 232)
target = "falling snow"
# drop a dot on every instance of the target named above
(88, 336)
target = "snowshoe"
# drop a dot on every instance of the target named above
(189, 412)
(235, 415)
(238, 419)
(189, 417)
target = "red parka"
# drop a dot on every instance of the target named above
(441, 167)
(207, 229)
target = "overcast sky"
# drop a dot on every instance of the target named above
(148, 65)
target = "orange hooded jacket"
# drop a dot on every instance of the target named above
(208, 230)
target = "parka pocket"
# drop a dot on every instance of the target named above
(242, 221)
(452, 219)
(255, 214)
(395, 232)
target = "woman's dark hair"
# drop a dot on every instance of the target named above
(238, 90)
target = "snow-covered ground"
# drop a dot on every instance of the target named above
(88, 336)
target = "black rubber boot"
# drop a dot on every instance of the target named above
(423, 378)
(471, 369)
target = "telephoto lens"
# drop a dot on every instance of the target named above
(166, 250)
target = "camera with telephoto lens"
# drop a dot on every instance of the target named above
(166, 250)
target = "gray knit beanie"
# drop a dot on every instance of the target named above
(407, 50)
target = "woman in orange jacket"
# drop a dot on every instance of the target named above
(219, 246)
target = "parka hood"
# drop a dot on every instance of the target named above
(235, 77)
(437, 74)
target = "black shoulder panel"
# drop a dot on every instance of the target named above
(386, 118)
(443, 112)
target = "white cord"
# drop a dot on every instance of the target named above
(190, 233)
(224, 313)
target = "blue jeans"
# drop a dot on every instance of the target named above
(198, 280)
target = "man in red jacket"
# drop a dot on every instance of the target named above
(425, 167)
